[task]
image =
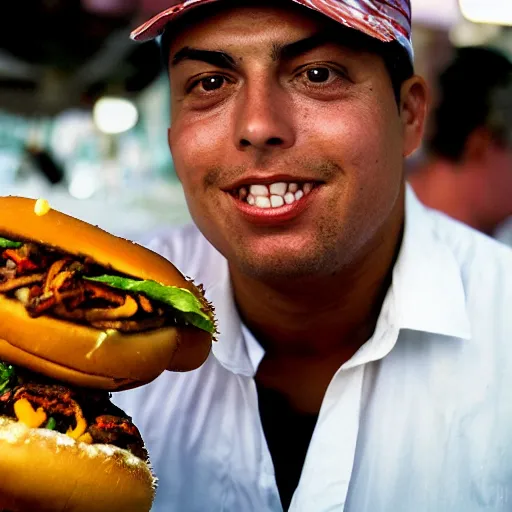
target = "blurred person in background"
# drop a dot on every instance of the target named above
(468, 170)
(364, 358)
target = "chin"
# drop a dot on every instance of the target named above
(278, 265)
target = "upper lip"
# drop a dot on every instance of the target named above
(268, 180)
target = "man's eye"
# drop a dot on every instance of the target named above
(319, 75)
(210, 83)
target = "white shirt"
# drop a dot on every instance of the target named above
(504, 232)
(419, 420)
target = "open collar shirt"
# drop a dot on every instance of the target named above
(418, 420)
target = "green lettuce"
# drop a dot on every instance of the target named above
(9, 244)
(7, 376)
(187, 305)
(51, 423)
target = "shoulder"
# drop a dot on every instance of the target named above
(485, 268)
(467, 287)
(477, 254)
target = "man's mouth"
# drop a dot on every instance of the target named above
(273, 195)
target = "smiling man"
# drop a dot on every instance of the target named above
(364, 360)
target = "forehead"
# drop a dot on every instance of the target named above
(230, 25)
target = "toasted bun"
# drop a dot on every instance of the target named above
(79, 354)
(84, 356)
(45, 471)
(56, 229)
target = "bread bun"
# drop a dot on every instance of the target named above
(79, 354)
(56, 229)
(46, 471)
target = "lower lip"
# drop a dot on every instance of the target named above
(274, 216)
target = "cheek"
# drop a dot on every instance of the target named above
(363, 137)
(197, 147)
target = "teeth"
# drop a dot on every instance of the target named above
(276, 201)
(259, 190)
(289, 198)
(278, 189)
(262, 202)
(274, 195)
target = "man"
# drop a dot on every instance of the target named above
(363, 361)
(468, 173)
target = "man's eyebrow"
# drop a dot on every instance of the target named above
(297, 48)
(214, 57)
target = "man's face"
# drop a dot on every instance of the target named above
(263, 106)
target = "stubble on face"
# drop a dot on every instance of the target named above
(320, 256)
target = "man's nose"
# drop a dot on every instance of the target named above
(264, 119)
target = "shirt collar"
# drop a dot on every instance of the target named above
(427, 283)
(426, 294)
(229, 349)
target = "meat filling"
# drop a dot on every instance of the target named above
(86, 415)
(48, 282)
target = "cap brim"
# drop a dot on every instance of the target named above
(372, 22)
(156, 25)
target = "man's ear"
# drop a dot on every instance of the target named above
(414, 98)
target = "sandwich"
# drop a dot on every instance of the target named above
(82, 314)
(68, 449)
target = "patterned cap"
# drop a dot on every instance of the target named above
(386, 20)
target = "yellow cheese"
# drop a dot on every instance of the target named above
(42, 207)
(26, 414)
(86, 438)
(79, 430)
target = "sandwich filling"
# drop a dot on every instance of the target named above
(84, 415)
(47, 281)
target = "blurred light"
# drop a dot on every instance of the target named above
(496, 12)
(113, 7)
(437, 13)
(466, 33)
(71, 129)
(115, 115)
(83, 184)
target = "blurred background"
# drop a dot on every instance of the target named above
(84, 111)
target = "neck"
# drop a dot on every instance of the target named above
(322, 316)
(453, 189)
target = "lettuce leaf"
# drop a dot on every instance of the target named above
(9, 244)
(183, 301)
(7, 375)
